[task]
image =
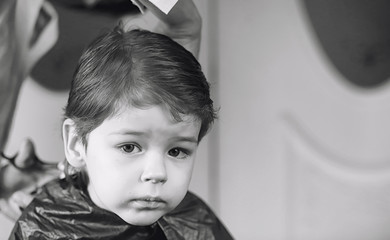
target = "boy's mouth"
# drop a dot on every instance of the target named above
(148, 203)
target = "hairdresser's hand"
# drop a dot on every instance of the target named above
(21, 181)
(183, 23)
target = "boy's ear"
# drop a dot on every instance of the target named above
(73, 147)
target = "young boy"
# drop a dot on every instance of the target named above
(138, 107)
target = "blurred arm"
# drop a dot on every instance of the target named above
(17, 55)
(11, 73)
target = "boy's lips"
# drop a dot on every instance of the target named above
(148, 203)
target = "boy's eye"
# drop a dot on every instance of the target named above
(130, 148)
(177, 153)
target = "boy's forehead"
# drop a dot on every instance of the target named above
(153, 122)
(134, 111)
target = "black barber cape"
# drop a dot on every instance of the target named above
(64, 211)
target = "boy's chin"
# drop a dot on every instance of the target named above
(142, 219)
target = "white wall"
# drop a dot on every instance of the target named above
(255, 50)
(271, 186)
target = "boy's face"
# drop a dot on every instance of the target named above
(140, 163)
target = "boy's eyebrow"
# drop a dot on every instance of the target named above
(185, 139)
(127, 132)
(137, 133)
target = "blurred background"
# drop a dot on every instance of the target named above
(301, 148)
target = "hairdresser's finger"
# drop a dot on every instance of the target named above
(25, 157)
(21, 199)
(140, 6)
(10, 209)
(13, 179)
(14, 205)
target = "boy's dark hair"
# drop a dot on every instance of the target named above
(137, 68)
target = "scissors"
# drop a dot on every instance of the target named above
(37, 163)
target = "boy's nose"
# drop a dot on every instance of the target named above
(154, 169)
